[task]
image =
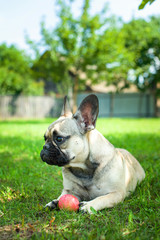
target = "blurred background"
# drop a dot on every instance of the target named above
(53, 48)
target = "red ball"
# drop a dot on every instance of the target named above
(68, 202)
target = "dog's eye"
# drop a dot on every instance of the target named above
(59, 139)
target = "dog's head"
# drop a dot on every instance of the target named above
(66, 139)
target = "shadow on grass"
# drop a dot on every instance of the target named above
(144, 146)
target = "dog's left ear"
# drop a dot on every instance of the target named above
(87, 113)
(66, 110)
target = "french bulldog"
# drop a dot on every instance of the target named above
(94, 171)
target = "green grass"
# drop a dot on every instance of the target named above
(27, 184)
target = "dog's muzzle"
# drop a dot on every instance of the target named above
(52, 155)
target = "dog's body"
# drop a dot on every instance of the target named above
(94, 170)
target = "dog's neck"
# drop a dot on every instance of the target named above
(87, 168)
(98, 141)
(84, 172)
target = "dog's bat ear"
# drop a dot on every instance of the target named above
(66, 110)
(87, 113)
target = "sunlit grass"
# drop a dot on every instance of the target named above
(27, 184)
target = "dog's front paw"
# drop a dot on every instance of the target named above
(86, 207)
(52, 205)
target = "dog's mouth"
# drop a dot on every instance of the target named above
(52, 155)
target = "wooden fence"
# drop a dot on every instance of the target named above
(111, 105)
(29, 107)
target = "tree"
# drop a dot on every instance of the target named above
(80, 47)
(48, 70)
(144, 2)
(15, 73)
(142, 39)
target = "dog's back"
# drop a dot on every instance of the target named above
(134, 173)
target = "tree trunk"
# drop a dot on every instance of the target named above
(75, 92)
(70, 95)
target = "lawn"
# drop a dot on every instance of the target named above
(27, 184)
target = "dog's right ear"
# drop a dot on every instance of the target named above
(66, 110)
(87, 113)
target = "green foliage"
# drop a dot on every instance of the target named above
(87, 49)
(144, 2)
(83, 50)
(27, 184)
(15, 73)
(79, 48)
(142, 39)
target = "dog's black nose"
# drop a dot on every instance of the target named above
(46, 146)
